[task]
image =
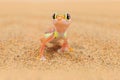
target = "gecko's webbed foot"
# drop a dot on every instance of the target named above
(65, 50)
(42, 58)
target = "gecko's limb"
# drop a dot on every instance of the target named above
(65, 47)
(43, 45)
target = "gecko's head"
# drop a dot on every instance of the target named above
(61, 19)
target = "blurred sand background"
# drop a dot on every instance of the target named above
(94, 34)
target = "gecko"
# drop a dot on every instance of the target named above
(57, 33)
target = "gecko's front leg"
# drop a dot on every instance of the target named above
(43, 44)
(65, 47)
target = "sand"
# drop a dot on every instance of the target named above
(94, 35)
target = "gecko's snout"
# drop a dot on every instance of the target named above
(59, 18)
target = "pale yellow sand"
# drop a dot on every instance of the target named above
(94, 34)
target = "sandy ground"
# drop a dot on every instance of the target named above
(94, 35)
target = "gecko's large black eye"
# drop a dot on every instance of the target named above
(54, 16)
(68, 16)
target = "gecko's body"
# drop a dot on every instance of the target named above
(57, 33)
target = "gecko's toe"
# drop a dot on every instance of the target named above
(63, 50)
(43, 58)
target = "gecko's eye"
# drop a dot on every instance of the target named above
(68, 16)
(54, 16)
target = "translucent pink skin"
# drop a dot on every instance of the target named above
(60, 25)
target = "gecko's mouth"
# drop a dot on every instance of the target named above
(60, 22)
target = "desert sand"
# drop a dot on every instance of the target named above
(94, 35)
